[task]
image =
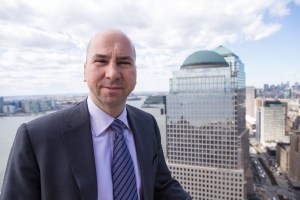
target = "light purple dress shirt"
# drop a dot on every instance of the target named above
(103, 139)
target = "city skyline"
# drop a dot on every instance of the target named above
(43, 44)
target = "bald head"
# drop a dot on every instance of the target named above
(110, 70)
(110, 36)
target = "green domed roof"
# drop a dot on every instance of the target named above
(204, 59)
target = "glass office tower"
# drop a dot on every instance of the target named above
(207, 141)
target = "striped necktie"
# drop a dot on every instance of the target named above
(123, 177)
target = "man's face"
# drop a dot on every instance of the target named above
(110, 70)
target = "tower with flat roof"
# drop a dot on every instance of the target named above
(207, 141)
(294, 169)
(250, 98)
(272, 123)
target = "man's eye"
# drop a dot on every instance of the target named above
(100, 61)
(125, 63)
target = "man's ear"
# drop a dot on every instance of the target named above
(84, 73)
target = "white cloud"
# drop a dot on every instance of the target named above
(42, 43)
(257, 30)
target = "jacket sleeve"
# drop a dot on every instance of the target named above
(166, 187)
(21, 179)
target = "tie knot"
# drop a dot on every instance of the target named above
(117, 126)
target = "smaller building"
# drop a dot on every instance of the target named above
(156, 101)
(272, 123)
(282, 156)
(251, 125)
(9, 109)
(294, 169)
(250, 98)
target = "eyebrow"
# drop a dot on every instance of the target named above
(99, 56)
(125, 58)
(96, 56)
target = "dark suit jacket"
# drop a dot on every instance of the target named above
(52, 158)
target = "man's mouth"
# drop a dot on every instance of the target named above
(112, 87)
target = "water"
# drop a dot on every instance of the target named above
(8, 129)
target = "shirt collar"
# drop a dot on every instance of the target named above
(100, 120)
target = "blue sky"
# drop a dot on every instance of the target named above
(42, 43)
(276, 58)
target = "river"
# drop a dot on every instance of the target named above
(8, 129)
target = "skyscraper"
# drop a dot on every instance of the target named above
(207, 141)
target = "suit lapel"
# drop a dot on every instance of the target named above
(144, 149)
(78, 143)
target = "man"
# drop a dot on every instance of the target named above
(69, 155)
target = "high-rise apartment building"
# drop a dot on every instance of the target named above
(250, 101)
(272, 123)
(250, 110)
(282, 156)
(207, 141)
(258, 125)
(294, 169)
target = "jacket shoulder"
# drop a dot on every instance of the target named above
(59, 119)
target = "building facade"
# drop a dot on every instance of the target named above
(207, 141)
(282, 156)
(250, 101)
(294, 169)
(272, 123)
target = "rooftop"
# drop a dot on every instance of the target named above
(224, 51)
(272, 104)
(204, 59)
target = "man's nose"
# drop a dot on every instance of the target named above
(113, 71)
